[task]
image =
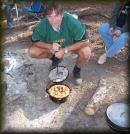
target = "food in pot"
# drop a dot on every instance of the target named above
(59, 91)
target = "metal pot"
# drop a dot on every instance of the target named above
(56, 79)
(57, 100)
(58, 74)
(118, 118)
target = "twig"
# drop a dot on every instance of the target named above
(89, 14)
(104, 15)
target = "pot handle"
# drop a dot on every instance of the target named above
(47, 85)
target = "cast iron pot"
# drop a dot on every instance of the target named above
(60, 73)
(118, 117)
(58, 100)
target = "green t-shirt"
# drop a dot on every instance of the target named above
(70, 29)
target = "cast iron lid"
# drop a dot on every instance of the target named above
(58, 74)
(119, 115)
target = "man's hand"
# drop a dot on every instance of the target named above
(55, 47)
(111, 31)
(60, 53)
(117, 32)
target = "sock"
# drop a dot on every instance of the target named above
(76, 69)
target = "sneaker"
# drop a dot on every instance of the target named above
(77, 79)
(54, 63)
(102, 59)
(10, 25)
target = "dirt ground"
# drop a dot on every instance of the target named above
(31, 110)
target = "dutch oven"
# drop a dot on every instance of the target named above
(118, 117)
(57, 76)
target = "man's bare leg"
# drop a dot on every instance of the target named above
(36, 52)
(83, 57)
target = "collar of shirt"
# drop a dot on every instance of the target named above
(56, 29)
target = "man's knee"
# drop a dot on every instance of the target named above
(32, 53)
(85, 52)
(103, 28)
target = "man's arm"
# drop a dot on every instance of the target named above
(41, 44)
(79, 43)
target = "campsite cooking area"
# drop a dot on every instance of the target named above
(28, 107)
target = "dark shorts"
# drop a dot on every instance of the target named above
(84, 38)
